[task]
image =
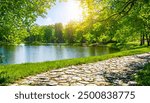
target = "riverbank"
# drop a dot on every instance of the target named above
(12, 73)
(116, 71)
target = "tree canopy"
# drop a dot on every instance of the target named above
(18, 14)
(104, 21)
(119, 20)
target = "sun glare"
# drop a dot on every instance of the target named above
(63, 12)
(73, 10)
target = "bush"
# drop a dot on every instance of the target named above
(143, 77)
(3, 77)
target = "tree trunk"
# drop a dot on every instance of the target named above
(148, 40)
(142, 39)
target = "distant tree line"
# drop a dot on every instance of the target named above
(56, 33)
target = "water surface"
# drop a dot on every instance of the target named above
(23, 53)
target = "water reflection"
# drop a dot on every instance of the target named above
(23, 53)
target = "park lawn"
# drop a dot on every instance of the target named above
(13, 72)
(126, 46)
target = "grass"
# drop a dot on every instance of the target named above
(126, 46)
(13, 72)
(143, 77)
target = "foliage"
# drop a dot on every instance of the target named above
(16, 15)
(59, 33)
(69, 32)
(41, 34)
(3, 77)
(104, 21)
(143, 77)
(113, 20)
(48, 34)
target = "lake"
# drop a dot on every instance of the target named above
(50, 52)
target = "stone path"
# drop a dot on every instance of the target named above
(115, 71)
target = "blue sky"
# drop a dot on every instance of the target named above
(62, 12)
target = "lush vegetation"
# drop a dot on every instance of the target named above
(11, 73)
(17, 17)
(143, 77)
(119, 22)
(104, 21)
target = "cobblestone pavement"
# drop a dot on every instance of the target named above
(116, 71)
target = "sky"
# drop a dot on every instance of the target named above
(62, 12)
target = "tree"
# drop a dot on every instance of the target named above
(36, 34)
(59, 33)
(40, 34)
(17, 14)
(118, 19)
(69, 32)
(48, 33)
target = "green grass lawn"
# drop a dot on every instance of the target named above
(126, 46)
(13, 72)
(143, 77)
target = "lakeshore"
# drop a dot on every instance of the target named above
(116, 71)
